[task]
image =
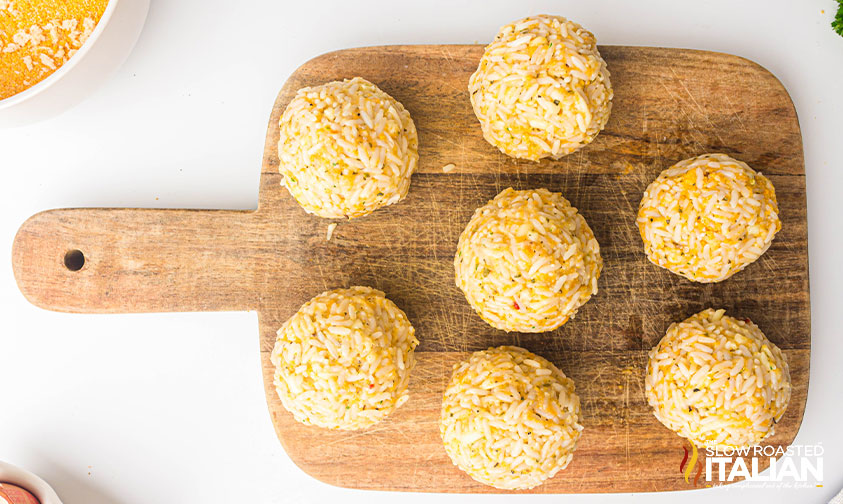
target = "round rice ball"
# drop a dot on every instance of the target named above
(346, 149)
(708, 217)
(717, 381)
(510, 418)
(527, 261)
(343, 360)
(541, 89)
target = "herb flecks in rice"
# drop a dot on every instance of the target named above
(346, 149)
(527, 261)
(510, 419)
(717, 381)
(541, 88)
(343, 361)
(708, 217)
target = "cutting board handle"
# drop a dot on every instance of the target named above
(102, 260)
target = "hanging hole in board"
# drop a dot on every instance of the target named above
(74, 260)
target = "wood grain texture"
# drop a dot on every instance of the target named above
(669, 104)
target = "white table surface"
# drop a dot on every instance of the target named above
(170, 407)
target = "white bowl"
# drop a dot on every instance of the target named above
(28, 481)
(105, 50)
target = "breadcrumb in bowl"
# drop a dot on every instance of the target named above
(81, 72)
(37, 37)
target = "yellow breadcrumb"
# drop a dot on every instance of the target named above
(38, 36)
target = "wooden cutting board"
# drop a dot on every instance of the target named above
(669, 104)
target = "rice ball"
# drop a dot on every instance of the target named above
(708, 217)
(343, 361)
(527, 261)
(346, 149)
(541, 89)
(510, 419)
(717, 381)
